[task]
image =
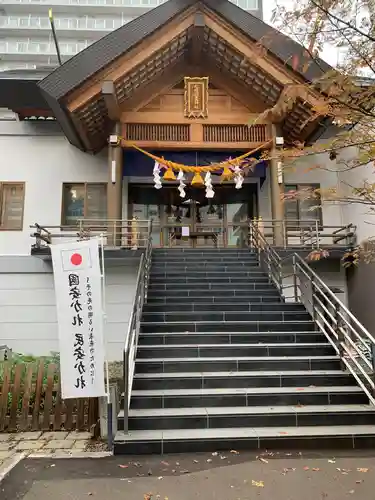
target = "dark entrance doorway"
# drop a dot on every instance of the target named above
(227, 214)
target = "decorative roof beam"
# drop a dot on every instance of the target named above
(167, 79)
(110, 99)
(197, 39)
(150, 45)
(260, 58)
(234, 88)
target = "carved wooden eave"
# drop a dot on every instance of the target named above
(197, 41)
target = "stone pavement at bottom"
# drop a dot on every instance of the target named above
(43, 443)
(282, 476)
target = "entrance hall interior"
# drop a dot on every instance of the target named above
(227, 214)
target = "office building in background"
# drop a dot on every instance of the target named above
(26, 40)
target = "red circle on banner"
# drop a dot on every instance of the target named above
(76, 259)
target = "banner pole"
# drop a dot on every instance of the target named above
(109, 403)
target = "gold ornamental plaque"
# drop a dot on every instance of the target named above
(196, 97)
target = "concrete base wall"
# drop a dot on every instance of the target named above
(361, 294)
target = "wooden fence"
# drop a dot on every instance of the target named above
(30, 399)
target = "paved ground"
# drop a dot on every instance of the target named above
(281, 476)
(43, 442)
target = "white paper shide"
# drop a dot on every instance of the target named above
(80, 318)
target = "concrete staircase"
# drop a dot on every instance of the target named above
(224, 363)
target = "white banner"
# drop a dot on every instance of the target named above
(80, 318)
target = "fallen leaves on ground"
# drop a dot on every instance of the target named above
(332, 461)
(286, 470)
(315, 469)
(258, 484)
(344, 472)
(147, 496)
(263, 460)
(123, 466)
(165, 463)
(234, 452)
(362, 469)
(306, 468)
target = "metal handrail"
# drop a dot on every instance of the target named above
(124, 233)
(131, 341)
(351, 340)
(310, 233)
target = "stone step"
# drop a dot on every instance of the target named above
(208, 286)
(206, 274)
(196, 316)
(235, 338)
(217, 380)
(210, 294)
(240, 305)
(203, 251)
(249, 396)
(250, 299)
(233, 350)
(240, 278)
(247, 416)
(245, 438)
(236, 364)
(204, 258)
(236, 265)
(227, 326)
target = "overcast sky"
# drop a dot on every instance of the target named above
(330, 54)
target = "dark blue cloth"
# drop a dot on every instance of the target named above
(137, 164)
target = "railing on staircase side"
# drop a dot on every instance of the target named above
(351, 340)
(131, 341)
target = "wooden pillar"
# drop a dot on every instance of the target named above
(277, 189)
(114, 188)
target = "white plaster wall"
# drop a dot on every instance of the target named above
(317, 169)
(28, 322)
(44, 163)
(356, 213)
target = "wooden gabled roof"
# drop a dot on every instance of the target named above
(87, 115)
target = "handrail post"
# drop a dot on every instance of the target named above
(280, 277)
(295, 287)
(340, 337)
(317, 234)
(373, 365)
(313, 305)
(126, 391)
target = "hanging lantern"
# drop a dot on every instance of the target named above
(197, 180)
(169, 175)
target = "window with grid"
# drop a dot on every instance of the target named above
(12, 197)
(303, 205)
(84, 201)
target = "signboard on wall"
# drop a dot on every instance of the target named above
(78, 293)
